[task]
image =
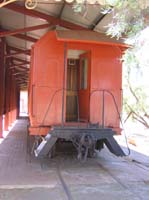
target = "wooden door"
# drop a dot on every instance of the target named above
(72, 93)
(84, 86)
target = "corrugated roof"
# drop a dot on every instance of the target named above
(60, 15)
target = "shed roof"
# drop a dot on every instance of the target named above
(22, 27)
(87, 37)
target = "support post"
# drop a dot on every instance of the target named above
(2, 84)
(1, 126)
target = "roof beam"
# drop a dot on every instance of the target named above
(20, 60)
(25, 37)
(21, 36)
(21, 77)
(27, 52)
(51, 19)
(19, 74)
(19, 81)
(24, 70)
(12, 48)
(97, 21)
(21, 69)
(22, 30)
(62, 8)
(22, 82)
(13, 66)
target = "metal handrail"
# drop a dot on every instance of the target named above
(51, 102)
(103, 104)
(78, 112)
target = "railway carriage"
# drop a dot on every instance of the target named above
(75, 91)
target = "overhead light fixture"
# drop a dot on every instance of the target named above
(31, 4)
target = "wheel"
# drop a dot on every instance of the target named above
(86, 147)
(99, 145)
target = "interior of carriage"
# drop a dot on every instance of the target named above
(78, 85)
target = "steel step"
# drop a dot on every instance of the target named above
(113, 146)
(45, 146)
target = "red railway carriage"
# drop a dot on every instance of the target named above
(75, 89)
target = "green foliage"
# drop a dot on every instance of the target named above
(135, 96)
(129, 59)
(127, 19)
(78, 6)
(136, 104)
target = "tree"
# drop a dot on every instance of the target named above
(130, 20)
(135, 95)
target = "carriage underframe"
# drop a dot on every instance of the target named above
(85, 140)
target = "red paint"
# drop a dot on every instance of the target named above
(11, 100)
(46, 82)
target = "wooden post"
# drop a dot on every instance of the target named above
(2, 84)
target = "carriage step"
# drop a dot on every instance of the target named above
(45, 146)
(113, 146)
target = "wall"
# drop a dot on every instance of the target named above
(46, 82)
(47, 73)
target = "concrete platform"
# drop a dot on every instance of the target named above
(106, 177)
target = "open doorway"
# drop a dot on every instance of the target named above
(23, 103)
(78, 85)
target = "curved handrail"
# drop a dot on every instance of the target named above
(103, 103)
(51, 101)
(92, 92)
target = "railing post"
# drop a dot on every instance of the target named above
(78, 108)
(32, 109)
(64, 81)
(103, 109)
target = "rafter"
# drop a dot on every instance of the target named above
(21, 78)
(22, 82)
(24, 72)
(12, 48)
(19, 74)
(62, 8)
(22, 30)
(27, 52)
(20, 60)
(98, 19)
(21, 36)
(25, 37)
(51, 19)
(22, 69)
(13, 66)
